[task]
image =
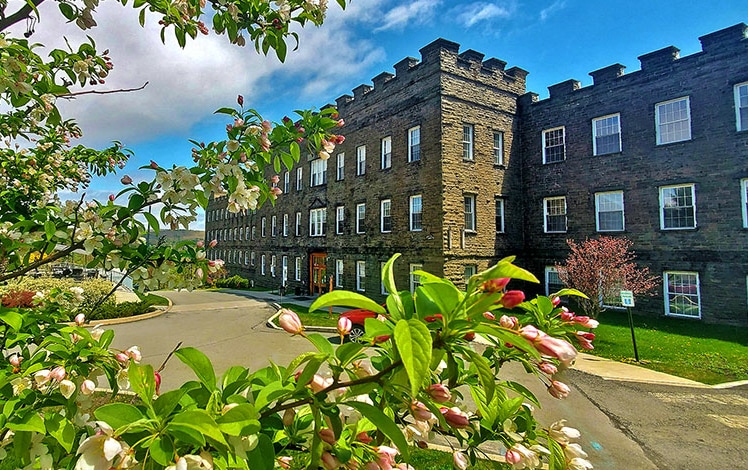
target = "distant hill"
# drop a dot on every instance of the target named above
(174, 236)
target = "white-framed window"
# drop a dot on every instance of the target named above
(299, 178)
(241, 233)
(606, 134)
(254, 232)
(361, 276)
(744, 200)
(414, 144)
(415, 279)
(339, 219)
(553, 282)
(741, 106)
(554, 145)
(499, 215)
(246, 257)
(286, 182)
(297, 269)
(360, 160)
(385, 215)
(682, 294)
(609, 216)
(470, 212)
(262, 265)
(273, 260)
(285, 225)
(673, 120)
(251, 258)
(318, 172)
(339, 273)
(386, 147)
(360, 217)
(341, 166)
(498, 148)
(263, 227)
(273, 226)
(298, 224)
(470, 271)
(317, 222)
(416, 213)
(468, 141)
(235, 235)
(284, 269)
(677, 207)
(554, 210)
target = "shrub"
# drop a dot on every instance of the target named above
(18, 299)
(122, 310)
(93, 290)
(233, 282)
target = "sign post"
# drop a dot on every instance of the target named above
(627, 300)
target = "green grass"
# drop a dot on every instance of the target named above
(317, 318)
(691, 349)
(152, 298)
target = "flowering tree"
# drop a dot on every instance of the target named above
(601, 268)
(354, 406)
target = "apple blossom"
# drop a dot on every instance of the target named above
(122, 357)
(493, 286)
(459, 460)
(126, 180)
(67, 388)
(58, 374)
(212, 243)
(275, 179)
(200, 244)
(420, 412)
(563, 434)
(328, 435)
(330, 462)
(439, 393)
(15, 360)
(80, 319)
(579, 464)
(489, 316)
(586, 322)
(508, 322)
(87, 387)
(558, 389)
(512, 298)
(344, 325)
(455, 417)
(284, 461)
(134, 353)
(548, 367)
(386, 456)
(522, 457)
(98, 451)
(41, 377)
(289, 321)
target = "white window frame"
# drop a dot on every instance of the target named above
(744, 200)
(252, 258)
(385, 206)
(285, 225)
(499, 215)
(468, 142)
(297, 268)
(414, 144)
(361, 218)
(340, 161)
(273, 261)
(241, 233)
(299, 178)
(284, 269)
(666, 281)
(386, 152)
(469, 205)
(286, 182)
(339, 266)
(317, 172)
(361, 160)
(297, 224)
(274, 226)
(549, 271)
(605, 132)
(361, 276)
(415, 223)
(498, 147)
(546, 146)
(317, 222)
(601, 207)
(546, 202)
(254, 232)
(415, 280)
(339, 219)
(741, 103)
(662, 206)
(662, 138)
(262, 264)
(263, 227)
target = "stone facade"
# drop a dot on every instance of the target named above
(464, 107)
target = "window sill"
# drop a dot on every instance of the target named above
(663, 144)
(500, 166)
(619, 152)
(470, 232)
(677, 315)
(679, 229)
(552, 233)
(554, 163)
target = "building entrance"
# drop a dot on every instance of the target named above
(318, 273)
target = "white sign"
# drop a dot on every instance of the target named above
(627, 298)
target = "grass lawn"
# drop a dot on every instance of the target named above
(706, 353)
(152, 298)
(317, 318)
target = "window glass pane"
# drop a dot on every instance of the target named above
(498, 148)
(607, 135)
(682, 294)
(555, 215)
(678, 209)
(553, 145)
(609, 211)
(674, 123)
(415, 213)
(414, 144)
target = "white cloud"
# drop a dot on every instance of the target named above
(481, 11)
(410, 14)
(546, 12)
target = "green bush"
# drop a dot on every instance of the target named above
(233, 282)
(93, 289)
(122, 310)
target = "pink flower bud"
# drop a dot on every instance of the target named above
(80, 319)
(319, 383)
(275, 179)
(512, 298)
(284, 461)
(567, 315)
(289, 321)
(330, 462)
(364, 437)
(556, 300)
(530, 332)
(200, 244)
(420, 412)
(558, 389)
(344, 325)
(489, 316)
(586, 322)
(381, 339)
(240, 100)
(585, 339)
(340, 123)
(512, 457)
(548, 367)
(122, 358)
(154, 165)
(276, 191)
(42, 377)
(439, 393)
(212, 243)
(15, 360)
(508, 322)
(126, 180)
(199, 273)
(111, 197)
(495, 285)
(455, 417)
(87, 387)
(58, 374)
(157, 379)
(386, 456)
(469, 336)
(134, 353)
(460, 460)
(267, 126)
(328, 436)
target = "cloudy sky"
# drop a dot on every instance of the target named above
(553, 39)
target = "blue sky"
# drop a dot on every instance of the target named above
(554, 40)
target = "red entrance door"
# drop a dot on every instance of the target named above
(318, 273)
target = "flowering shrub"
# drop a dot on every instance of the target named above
(94, 291)
(18, 298)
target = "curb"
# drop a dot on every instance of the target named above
(117, 321)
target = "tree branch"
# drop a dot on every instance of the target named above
(72, 95)
(22, 13)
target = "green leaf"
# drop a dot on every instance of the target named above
(49, 229)
(61, 429)
(298, 361)
(505, 268)
(508, 336)
(67, 11)
(228, 111)
(12, 319)
(522, 390)
(165, 404)
(574, 292)
(200, 364)
(322, 344)
(136, 202)
(384, 424)
(348, 352)
(187, 434)
(240, 420)
(343, 298)
(141, 17)
(152, 222)
(308, 372)
(557, 460)
(118, 415)
(295, 151)
(485, 373)
(162, 450)
(413, 340)
(388, 276)
(444, 296)
(142, 381)
(270, 392)
(31, 421)
(262, 457)
(280, 50)
(200, 420)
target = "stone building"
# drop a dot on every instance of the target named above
(450, 162)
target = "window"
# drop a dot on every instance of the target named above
(386, 152)
(262, 265)
(553, 282)
(360, 276)
(741, 106)
(360, 160)
(744, 200)
(299, 176)
(285, 225)
(606, 134)
(286, 182)
(415, 279)
(338, 273)
(360, 214)
(341, 166)
(339, 219)
(499, 215)
(298, 224)
(272, 265)
(254, 232)
(673, 121)
(414, 144)
(263, 227)
(317, 222)
(241, 233)
(273, 226)
(251, 258)
(554, 145)
(498, 148)
(246, 258)
(677, 207)
(416, 211)
(284, 269)
(609, 211)
(318, 174)
(555, 214)
(386, 216)
(682, 294)
(470, 213)
(467, 142)
(297, 269)
(470, 271)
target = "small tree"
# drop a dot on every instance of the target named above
(601, 268)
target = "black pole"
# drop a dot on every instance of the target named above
(633, 337)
